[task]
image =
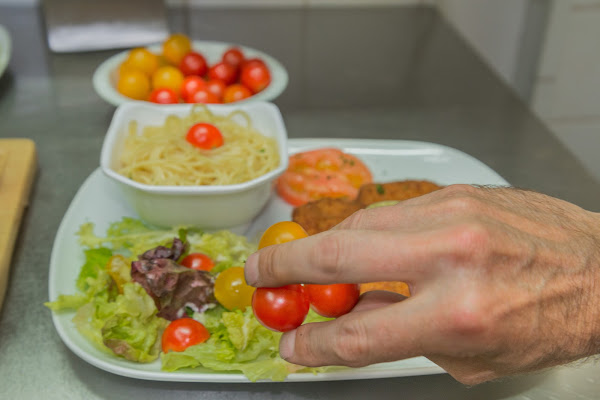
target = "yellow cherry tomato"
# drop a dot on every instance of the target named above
(231, 289)
(281, 232)
(126, 67)
(134, 84)
(175, 47)
(167, 77)
(143, 59)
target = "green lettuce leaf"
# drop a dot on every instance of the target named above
(238, 342)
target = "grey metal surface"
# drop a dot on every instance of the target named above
(84, 25)
(421, 82)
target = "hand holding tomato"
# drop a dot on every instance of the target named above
(493, 275)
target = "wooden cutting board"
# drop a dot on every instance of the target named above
(17, 170)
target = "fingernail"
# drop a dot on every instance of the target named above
(251, 270)
(287, 344)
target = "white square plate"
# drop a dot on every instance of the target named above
(99, 201)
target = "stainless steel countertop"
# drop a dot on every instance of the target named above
(385, 73)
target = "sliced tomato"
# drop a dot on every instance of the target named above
(320, 173)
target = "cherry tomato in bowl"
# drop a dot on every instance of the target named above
(333, 300)
(224, 72)
(175, 47)
(280, 309)
(217, 87)
(183, 333)
(236, 92)
(134, 84)
(204, 96)
(233, 56)
(167, 77)
(255, 75)
(205, 136)
(164, 96)
(191, 84)
(193, 63)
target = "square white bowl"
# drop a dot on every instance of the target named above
(211, 207)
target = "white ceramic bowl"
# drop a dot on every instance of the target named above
(106, 75)
(208, 207)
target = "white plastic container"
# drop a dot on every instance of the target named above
(208, 207)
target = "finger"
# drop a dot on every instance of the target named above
(377, 299)
(357, 339)
(346, 256)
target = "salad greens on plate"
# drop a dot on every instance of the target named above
(120, 317)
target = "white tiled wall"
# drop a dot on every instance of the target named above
(567, 89)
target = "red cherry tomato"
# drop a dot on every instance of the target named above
(333, 300)
(191, 84)
(203, 96)
(223, 71)
(164, 96)
(217, 87)
(203, 135)
(193, 63)
(253, 61)
(183, 333)
(255, 75)
(280, 309)
(236, 92)
(198, 261)
(233, 56)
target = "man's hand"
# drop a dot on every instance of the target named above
(502, 281)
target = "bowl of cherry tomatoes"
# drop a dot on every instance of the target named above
(180, 70)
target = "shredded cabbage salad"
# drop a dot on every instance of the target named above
(117, 315)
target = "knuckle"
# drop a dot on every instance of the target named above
(355, 221)
(351, 345)
(471, 244)
(328, 253)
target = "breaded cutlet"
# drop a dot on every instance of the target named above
(321, 215)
